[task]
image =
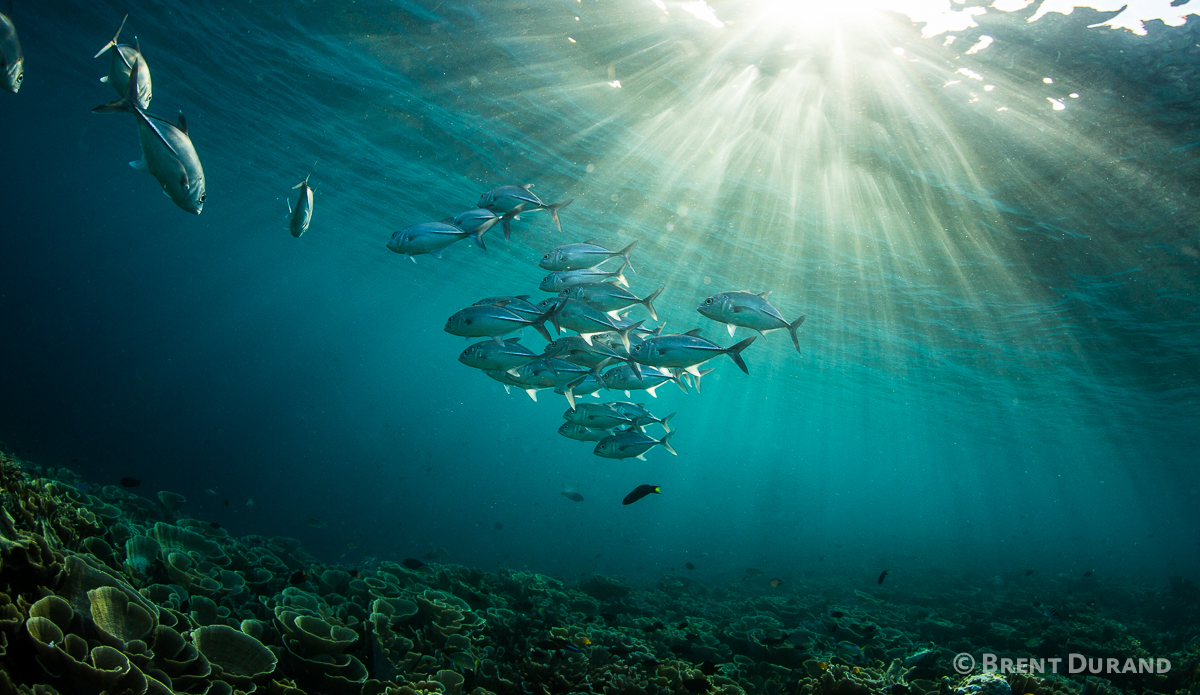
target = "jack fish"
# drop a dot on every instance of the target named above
(507, 198)
(610, 297)
(300, 216)
(686, 351)
(12, 60)
(560, 280)
(167, 151)
(471, 219)
(491, 321)
(506, 356)
(632, 444)
(120, 67)
(430, 237)
(580, 256)
(748, 310)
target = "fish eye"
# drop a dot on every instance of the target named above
(203, 196)
(708, 301)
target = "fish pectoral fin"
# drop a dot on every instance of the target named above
(641, 457)
(587, 337)
(104, 79)
(410, 257)
(731, 328)
(614, 315)
(532, 394)
(513, 372)
(140, 165)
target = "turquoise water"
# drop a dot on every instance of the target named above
(998, 367)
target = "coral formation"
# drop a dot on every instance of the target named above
(106, 592)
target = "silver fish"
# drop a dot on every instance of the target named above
(610, 297)
(167, 151)
(120, 67)
(519, 304)
(632, 444)
(300, 216)
(12, 60)
(490, 321)
(686, 351)
(507, 198)
(576, 350)
(597, 416)
(623, 378)
(585, 385)
(748, 310)
(471, 220)
(581, 256)
(560, 280)
(640, 415)
(430, 237)
(587, 321)
(506, 356)
(554, 373)
(580, 433)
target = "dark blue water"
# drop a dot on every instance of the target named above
(999, 364)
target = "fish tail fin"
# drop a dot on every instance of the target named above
(554, 211)
(624, 333)
(112, 43)
(648, 302)
(696, 378)
(620, 274)
(506, 220)
(667, 444)
(663, 422)
(792, 327)
(624, 254)
(735, 352)
(477, 235)
(129, 102)
(540, 327)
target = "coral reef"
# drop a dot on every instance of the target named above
(102, 591)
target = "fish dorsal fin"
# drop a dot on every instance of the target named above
(182, 125)
(140, 165)
(137, 44)
(590, 241)
(513, 340)
(448, 220)
(522, 297)
(526, 186)
(695, 332)
(766, 294)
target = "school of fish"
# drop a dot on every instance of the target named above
(605, 349)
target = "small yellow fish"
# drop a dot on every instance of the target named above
(585, 641)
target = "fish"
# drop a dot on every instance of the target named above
(551, 373)
(579, 433)
(919, 657)
(552, 644)
(837, 614)
(582, 255)
(473, 220)
(689, 566)
(317, 523)
(1028, 573)
(120, 68)
(213, 524)
(300, 216)
(1050, 613)
(167, 151)
(505, 356)
(413, 564)
(623, 378)
(682, 626)
(1088, 573)
(464, 661)
(632, 444)
(225, 503)
(491, 320)
(430, 237)
(686, 351)
(849, 651)
(655, 626)
(498, 526)
(298, 578)
(598, 416)
(641, 491)
(574, 348)
(588, 321)
(620, 650)
(776, 582)
(640, 416)
(749, 310)
(560, 280)
(12, 60)
(753, 572)
(573, 496)
(882, 576)
(507, 198)
(610, 297)
(129, 481)
(583, 386)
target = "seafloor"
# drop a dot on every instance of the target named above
(108, 592)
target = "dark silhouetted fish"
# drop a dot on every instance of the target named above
(1028, 573)
(639, 492)
(1089, 573)
(573, 496)
(413, 564)
(681, 626)
(551, 644)
(298, 578)
(689, 566)
(213, 524)
(708, 668)
(882, 576)
(129, 481)
(226, 503)
(653, 627)
(697, 685)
